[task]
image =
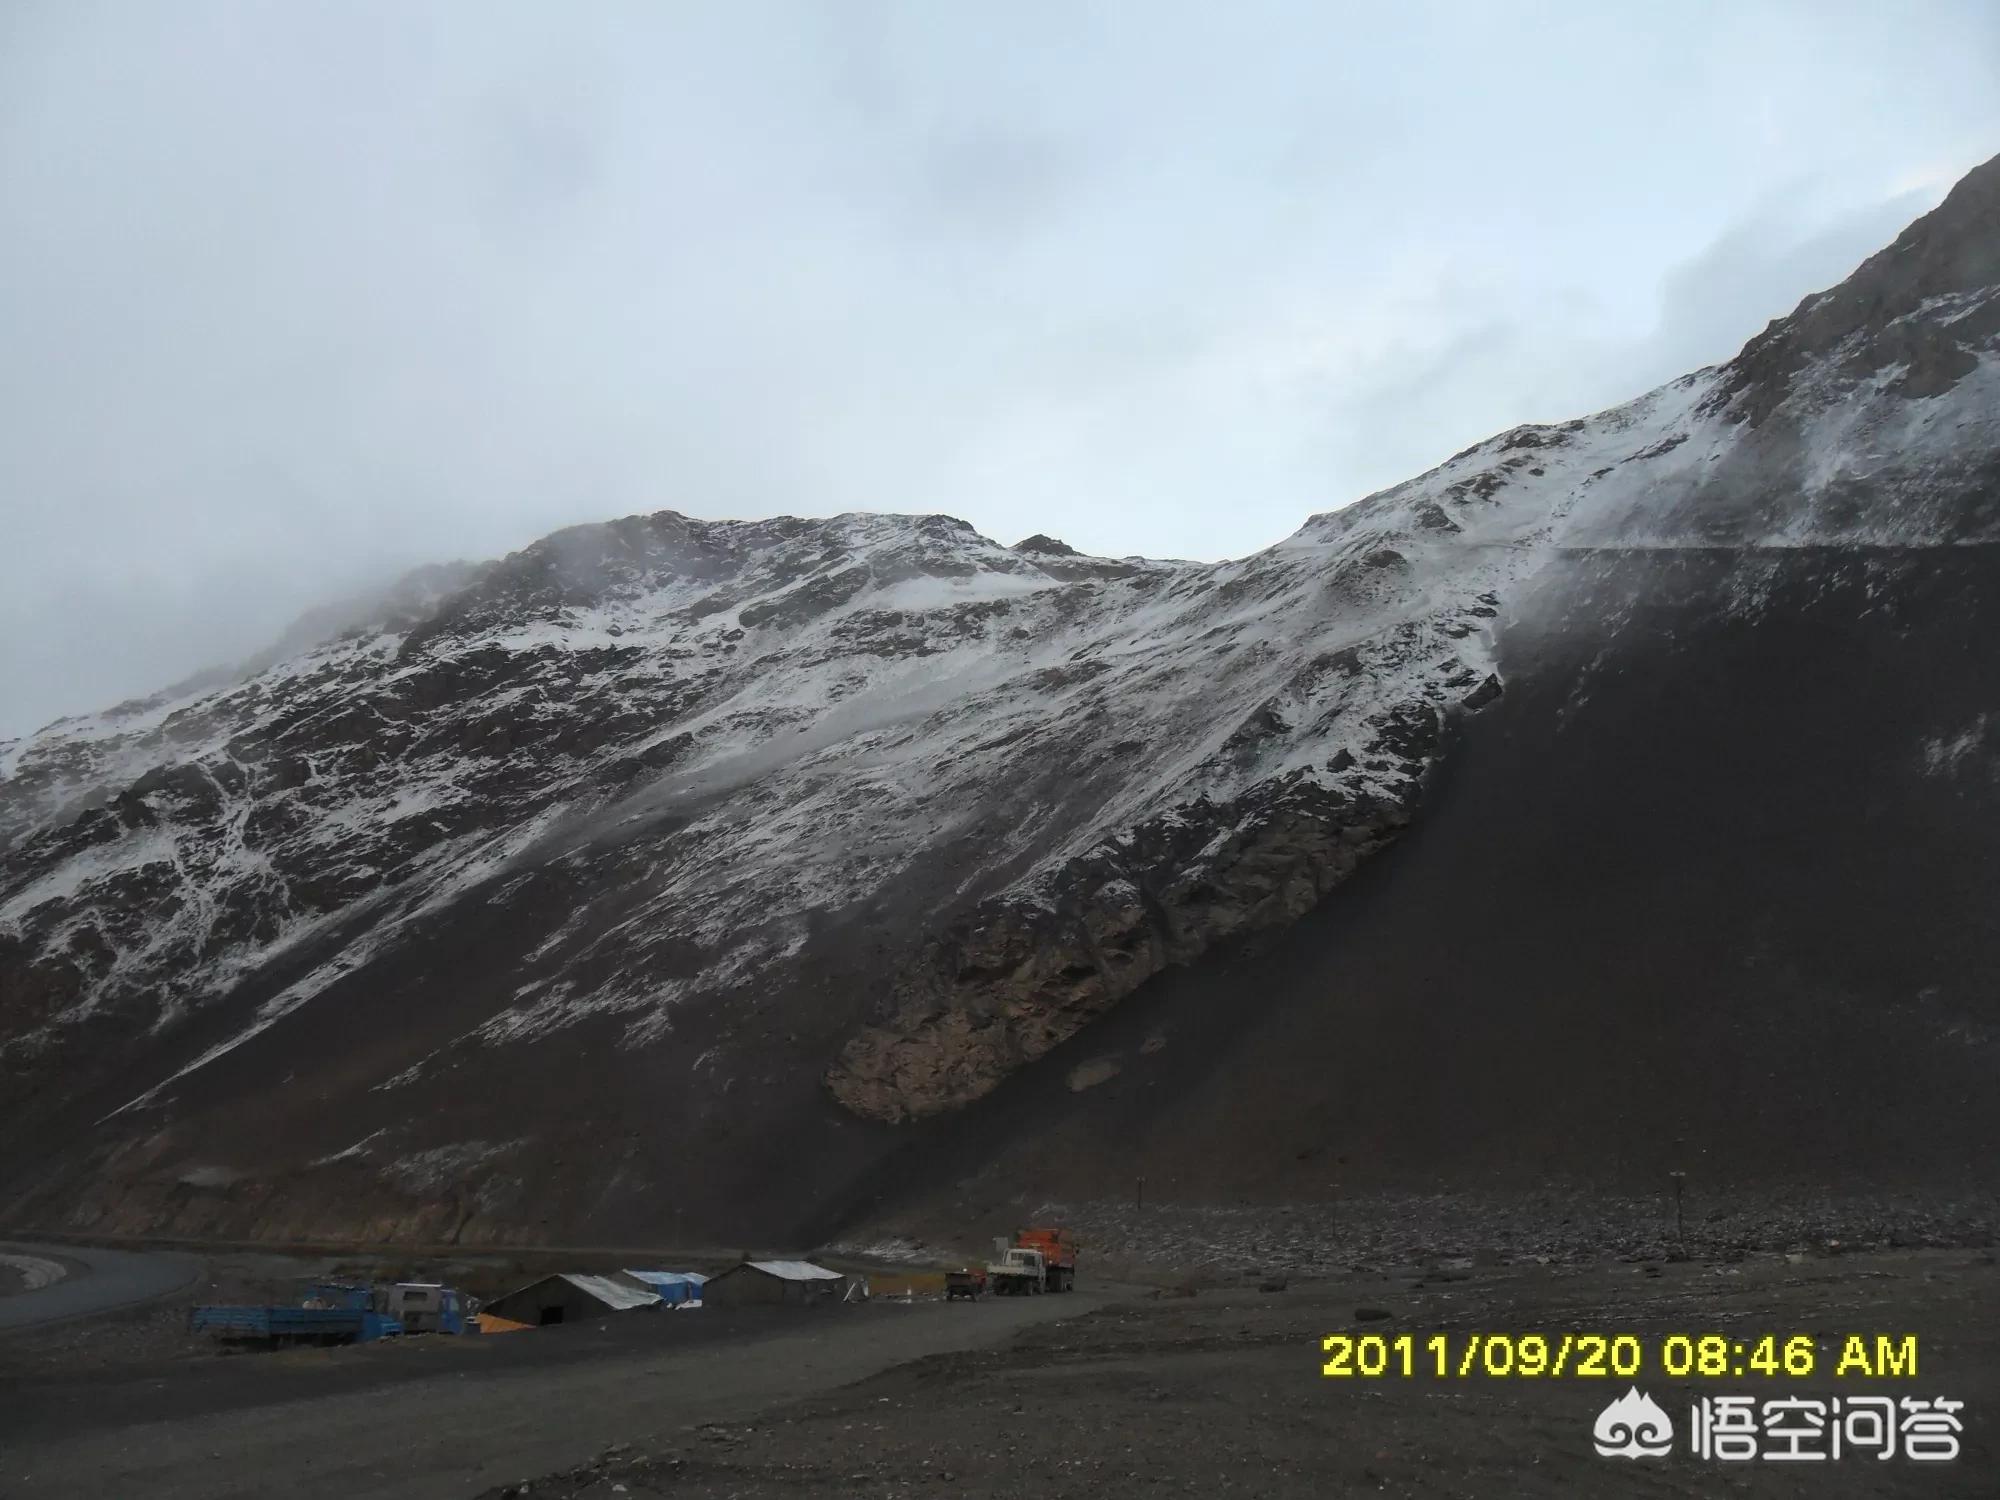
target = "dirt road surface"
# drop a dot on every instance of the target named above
(443, 1419)
(97, 1281)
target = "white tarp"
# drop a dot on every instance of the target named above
(611, 1293)
(795, 1270)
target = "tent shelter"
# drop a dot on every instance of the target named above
(571, 1297)
(772, 1282)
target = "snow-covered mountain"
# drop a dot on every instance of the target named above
(484, 901)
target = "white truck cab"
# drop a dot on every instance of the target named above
(1017, 1271)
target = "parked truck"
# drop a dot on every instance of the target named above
(340, 1313)
(1017, 1273)
(964, 1284)
(330, 1314)
(427, 1307)
(1058, 1251)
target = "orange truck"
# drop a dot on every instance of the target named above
(1058, 1250)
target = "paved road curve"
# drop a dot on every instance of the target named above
(98, 1281)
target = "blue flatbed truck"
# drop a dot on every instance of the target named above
(332, 1314)
(294, 1325)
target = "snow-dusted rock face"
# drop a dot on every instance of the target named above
(872, 808)
(754, 725)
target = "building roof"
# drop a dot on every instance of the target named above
(794, 1270)
(617, 1295)
(668, 1278)
(610, 1292)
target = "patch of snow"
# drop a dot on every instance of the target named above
(896, 1250)
(1948, 755)
(408, 1076)
(933, 592)
(427, 1171)
(76, 874)
(34, 1271)
(350, 1153)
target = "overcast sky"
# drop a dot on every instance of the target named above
(293, 296)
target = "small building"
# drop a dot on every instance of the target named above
(570, 1297)
(675, 1288)
(772, 1282)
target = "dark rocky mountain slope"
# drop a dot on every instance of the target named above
(1621, 796)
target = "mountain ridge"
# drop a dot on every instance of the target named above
(864, 816)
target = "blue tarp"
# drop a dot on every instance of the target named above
(672, 1286)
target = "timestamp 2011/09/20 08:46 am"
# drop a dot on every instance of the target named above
(1588, 1356)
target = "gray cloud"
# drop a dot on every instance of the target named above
(292, 297)
(1495, 373)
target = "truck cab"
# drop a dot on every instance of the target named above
(1018, 1272)
(426, 1307)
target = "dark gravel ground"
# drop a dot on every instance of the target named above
(1556, 1227)
(154, 1330)
(1204, 1382)
(437, 1418)
(152, 1338)
(1219, 1392)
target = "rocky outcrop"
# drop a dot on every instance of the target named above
(1046, 545)
(1014, 979)
(1924, 307)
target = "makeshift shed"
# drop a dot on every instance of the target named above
(571, 1297)
(675, 1288)
(755, 1282)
